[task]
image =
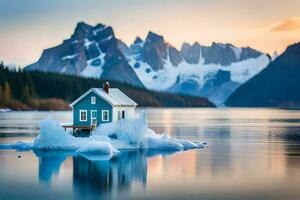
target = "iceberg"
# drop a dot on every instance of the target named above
(106, 139)
(95, 147)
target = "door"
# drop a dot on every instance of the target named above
(93, 117)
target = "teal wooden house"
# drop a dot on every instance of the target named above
(101, 105)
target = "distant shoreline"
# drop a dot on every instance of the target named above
(6, 109)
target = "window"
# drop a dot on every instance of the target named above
(82, 115)
(93, 100)
(105, 115)
(121, 114)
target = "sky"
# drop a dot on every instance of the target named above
(27, 27)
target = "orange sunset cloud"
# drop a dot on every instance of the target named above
(290, 24)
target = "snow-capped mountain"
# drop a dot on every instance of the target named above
(92, 51)
(275, 86)
(213, 71)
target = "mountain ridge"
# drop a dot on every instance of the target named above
(275, 86)
(153, 63)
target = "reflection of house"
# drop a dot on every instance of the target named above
(101, 178)
(49, 163)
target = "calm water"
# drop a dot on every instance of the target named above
(252, 154)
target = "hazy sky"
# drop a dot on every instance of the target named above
(29, 26)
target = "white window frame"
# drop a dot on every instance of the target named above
(102, 115)
(82, 111)
(93, 100)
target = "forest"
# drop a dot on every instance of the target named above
(23, 90)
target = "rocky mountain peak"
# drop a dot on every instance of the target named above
(154, 51)
(138, 40)
(185, 46)
(191, 53)
(99, 26)
(81, 30)
(196, 44)
(154, 38)
(83, 26)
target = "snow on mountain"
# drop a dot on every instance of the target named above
(94, 66)
(195, 68)
(169, 75)
(237, 52)
(212, 71)
(275, 55)
(275, 86)
(92, 51)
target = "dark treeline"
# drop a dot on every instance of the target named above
(23, 90)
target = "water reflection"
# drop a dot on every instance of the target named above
(221, 152)
(109, 177)
(291, 134)
(50, 163)
(252, 154)
(96, 175)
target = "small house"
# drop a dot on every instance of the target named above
(101, 105)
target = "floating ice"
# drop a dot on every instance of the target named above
(95, 147)
(106, 139)
(18, 146)
(5, 110)
(126, 133)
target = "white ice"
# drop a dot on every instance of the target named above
(107, 139)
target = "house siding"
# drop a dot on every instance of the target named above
(129, 111)
(85, 104)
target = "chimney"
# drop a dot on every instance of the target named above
(106, 87)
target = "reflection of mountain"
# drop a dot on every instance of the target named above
(221, 151)
(101, 178)
(292, 158)
(217, 160)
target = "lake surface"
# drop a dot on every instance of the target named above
(252, 154)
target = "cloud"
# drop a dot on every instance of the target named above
(287, 25)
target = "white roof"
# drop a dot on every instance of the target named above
(115, 97)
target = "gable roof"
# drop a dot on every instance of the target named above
(115, 97)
